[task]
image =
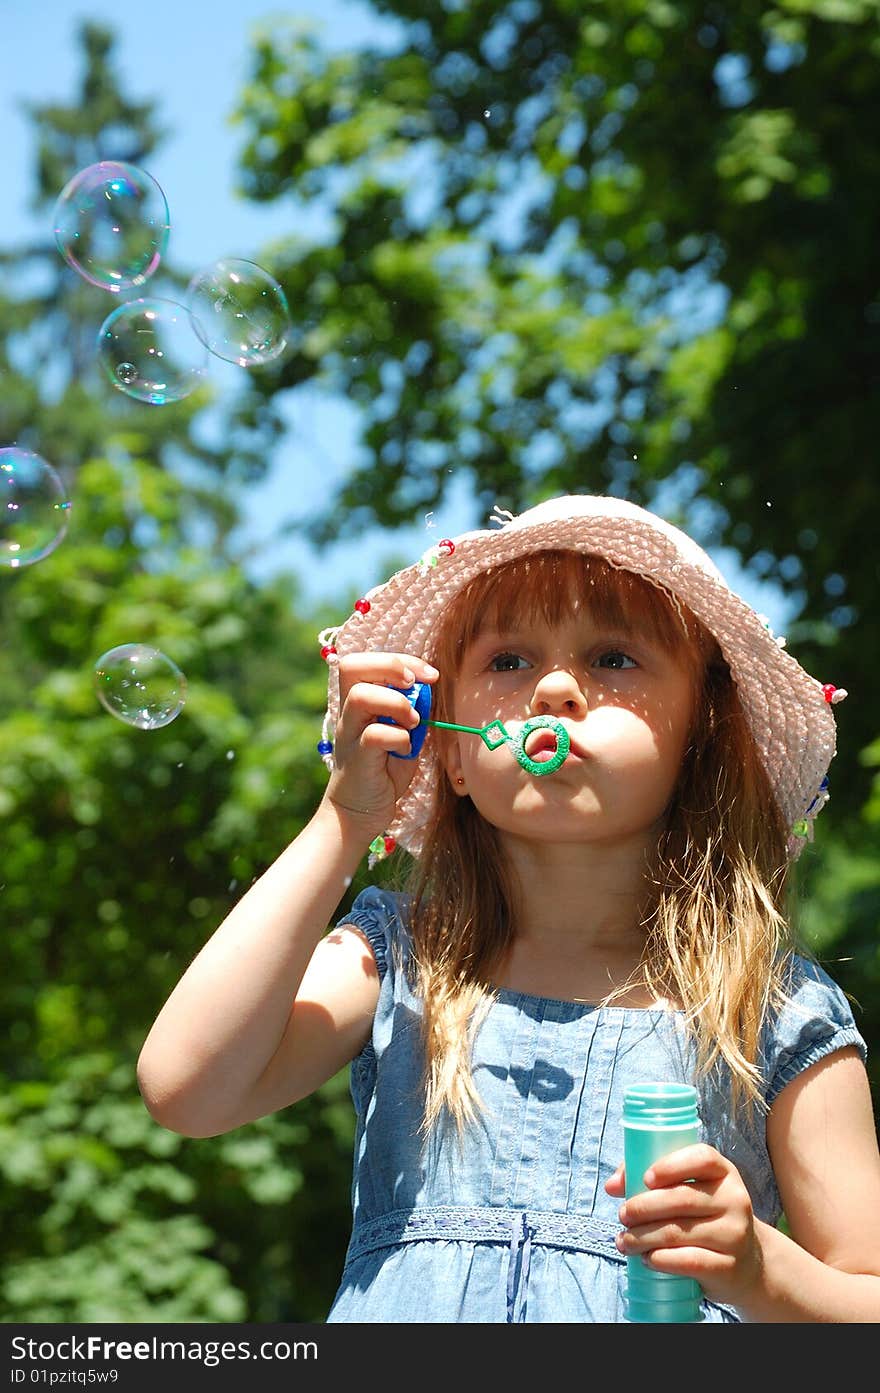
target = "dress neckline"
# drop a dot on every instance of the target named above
(510, 994)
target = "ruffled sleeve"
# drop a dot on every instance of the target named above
(376, 913)
(815, 1021)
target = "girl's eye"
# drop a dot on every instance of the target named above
(506, 659)
(618, 665)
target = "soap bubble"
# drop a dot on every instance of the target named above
(111, 224)
(34, 508)
(240, 312)
(149, 350)
(140, 686)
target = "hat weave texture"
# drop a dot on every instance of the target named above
(786, 709)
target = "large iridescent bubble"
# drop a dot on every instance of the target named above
(149, 349)
(34, 508)
(240, 312)
(140, 686)
(111, 224)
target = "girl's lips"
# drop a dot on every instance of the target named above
(540, 742)
(543, 742)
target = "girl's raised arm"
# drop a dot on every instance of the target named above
(270, 1008)
(211, 1061)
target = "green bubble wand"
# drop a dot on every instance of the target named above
(518, 742)
(492, 735)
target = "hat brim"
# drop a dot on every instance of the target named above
(790, 720)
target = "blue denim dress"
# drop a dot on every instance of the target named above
(515, 1225)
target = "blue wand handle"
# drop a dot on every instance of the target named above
(492, 735)
(419, 695)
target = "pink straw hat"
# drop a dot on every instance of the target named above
(789, 712)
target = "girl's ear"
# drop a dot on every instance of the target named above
(451, 761)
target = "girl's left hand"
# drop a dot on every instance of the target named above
(705, 1230)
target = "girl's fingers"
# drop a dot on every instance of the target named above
(366, 701)
(398, 669)
(391, 739)
(616, 1184)
(703, 1264)
(698, 1162)
(676, 1233)
(683, 1202)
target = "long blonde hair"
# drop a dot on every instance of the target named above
(713, 917)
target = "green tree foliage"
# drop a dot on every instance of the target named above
(123, 849)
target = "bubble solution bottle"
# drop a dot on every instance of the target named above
(657, 1118)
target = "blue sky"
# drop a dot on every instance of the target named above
(192, 60)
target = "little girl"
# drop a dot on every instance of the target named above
(567, 927)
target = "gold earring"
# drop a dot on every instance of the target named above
(459, 781)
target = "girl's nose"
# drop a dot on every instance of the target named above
(558, 690)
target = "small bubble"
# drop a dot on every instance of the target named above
(149, 350)
(111, 225)
(240, 312)
(139, 685)
(35, 507)
(230, 754)
(487, 114)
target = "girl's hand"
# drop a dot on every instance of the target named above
(705, 1230)
(365, 782)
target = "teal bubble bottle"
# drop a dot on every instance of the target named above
(657, 1118)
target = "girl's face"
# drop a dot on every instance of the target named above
(626, 701)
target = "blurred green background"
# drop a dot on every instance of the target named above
(627, 246)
